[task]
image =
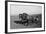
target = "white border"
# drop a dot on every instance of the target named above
(30, 29)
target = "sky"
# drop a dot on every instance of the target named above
(29, 9)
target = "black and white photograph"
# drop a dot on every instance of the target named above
(25, 16)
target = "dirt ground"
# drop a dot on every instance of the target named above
(20, 26)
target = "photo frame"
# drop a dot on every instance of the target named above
(11, 8)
